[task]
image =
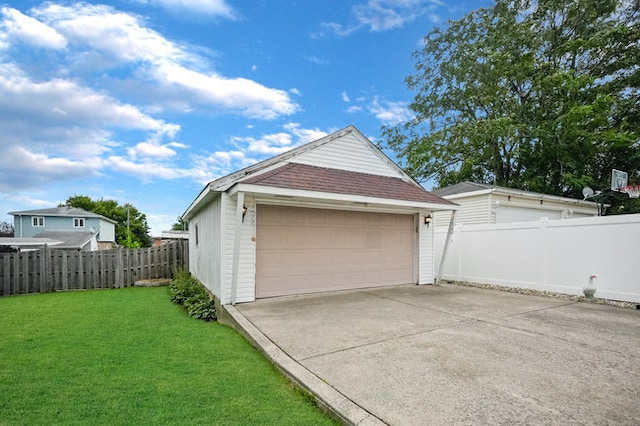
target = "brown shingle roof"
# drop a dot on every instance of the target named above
(321, 179)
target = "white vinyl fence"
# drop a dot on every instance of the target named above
(552, 255)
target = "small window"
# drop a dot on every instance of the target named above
(196, 234)
(37, 221)
(78, 222)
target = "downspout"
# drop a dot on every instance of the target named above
(446, 246)
(236, 248)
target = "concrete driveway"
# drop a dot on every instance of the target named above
(434, 355)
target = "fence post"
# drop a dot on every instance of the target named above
(6, 276)
(43, 268)
(119, 268)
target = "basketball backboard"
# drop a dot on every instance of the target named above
(618, 180)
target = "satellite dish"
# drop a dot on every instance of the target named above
(587, 192)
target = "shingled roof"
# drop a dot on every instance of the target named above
(321, 179)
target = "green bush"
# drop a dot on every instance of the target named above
(187, 291)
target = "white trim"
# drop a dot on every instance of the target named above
(327, 196)
(236, 247)
(523, 194)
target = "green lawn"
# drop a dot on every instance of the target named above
(130, 356)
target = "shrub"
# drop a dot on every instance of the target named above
(187, 291)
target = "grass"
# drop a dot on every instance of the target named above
(130, 356)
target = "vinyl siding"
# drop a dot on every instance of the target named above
(204, 259)
(107, 231)
(245, 291)
(347, 153)
(519, 209)
(425, 252)
(24, 229)
(485, 209)
(474, 210)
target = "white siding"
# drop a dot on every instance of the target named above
(107, 231)
(473, 210)
(245, 290)
(204, 262)
(425, 252)
(347, 153)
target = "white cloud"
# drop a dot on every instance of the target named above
(154, 150)
(30, 30)
(250, 150)
(317, 61)
(21, 168)
(209, 7)
(118, 34)
(220, 163)
(345, 97)
(147, 171)
(31, 107)
(253, 99)
(304, 135)
(106, 38)
(389, 112)
(381, 15)
(354, 109)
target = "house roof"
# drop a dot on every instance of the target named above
(224, 182)
(28, 242)
(401, 188)
(62, 211)
(463, 189)
(174, 235)
(70, 239)
(321, 179)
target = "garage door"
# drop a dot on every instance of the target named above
(302, 250)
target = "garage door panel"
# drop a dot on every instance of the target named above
(301, 250)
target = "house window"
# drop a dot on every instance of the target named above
(37, 221)
(196, 234)
(78, 222)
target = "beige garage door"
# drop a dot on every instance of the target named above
(302, 250)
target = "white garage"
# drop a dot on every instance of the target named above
(333, 214)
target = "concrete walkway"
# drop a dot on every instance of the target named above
(423, 355)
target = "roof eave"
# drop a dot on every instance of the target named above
(335, 197)
(521, 193)
(207, 193)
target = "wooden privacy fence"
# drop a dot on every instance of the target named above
(48, 269)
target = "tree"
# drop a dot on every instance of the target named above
(131, 228)
(180, 225)
(6, 230)
(542, 96)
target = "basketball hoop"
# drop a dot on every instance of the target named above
(633, 191)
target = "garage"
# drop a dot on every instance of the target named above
(333, 214)
(306, 250)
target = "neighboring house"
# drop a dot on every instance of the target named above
(333, 214)
(170, 236)
(75, 228)
(482, 204)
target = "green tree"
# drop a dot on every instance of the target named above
(539, 95)
(131, 225)
(6, 230)
(180, 225)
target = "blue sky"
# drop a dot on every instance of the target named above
(145, 101)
